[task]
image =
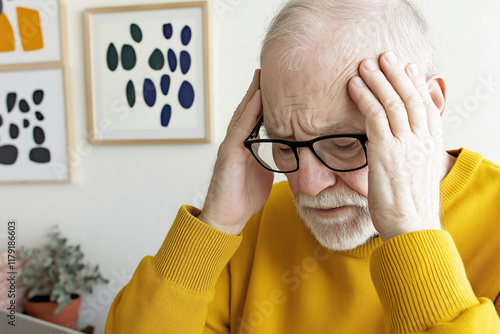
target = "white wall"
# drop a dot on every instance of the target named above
(126, 197)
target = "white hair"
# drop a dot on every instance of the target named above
(349, 30)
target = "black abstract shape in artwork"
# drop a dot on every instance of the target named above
(185, 60)
(156, 60)
(165, 84)
(13, 131)
(186, 95)
(130, 92)
(167, 30)
(37, 96)
(38, 135)
(172, 60)
(1, 120)
(1, 7)
(136, 32)
(39, 116)
(26, 123)
(149, 92)
(8, 154)
(11, 101)
(112, 57)
(40, 155)
(186, 35)
(166, 113)
(24, 106)
(128, 57)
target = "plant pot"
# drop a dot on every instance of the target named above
(42, 308)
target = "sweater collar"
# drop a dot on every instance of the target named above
(459, 176)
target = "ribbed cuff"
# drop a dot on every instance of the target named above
(420, 280)
(194, 253)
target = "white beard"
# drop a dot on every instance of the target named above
(350, 228)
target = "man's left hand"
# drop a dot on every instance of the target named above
(404, 147)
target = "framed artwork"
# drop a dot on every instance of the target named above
(35, 113)
(149, 73)
(33, 126)
(29, 31)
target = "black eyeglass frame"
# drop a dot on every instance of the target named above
(296, 144)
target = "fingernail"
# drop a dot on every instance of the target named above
(370, 65)
(414, 69)
(357, 81)
(391, 58)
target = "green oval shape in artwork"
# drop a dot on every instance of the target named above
(157, 60)
(112, 57)
(136, 32)
(130, 93)
(129, 58)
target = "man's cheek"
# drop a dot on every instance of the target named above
(358, 181)
(293, 183)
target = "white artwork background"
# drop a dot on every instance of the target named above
(54, 125)
(142, 121)
(48, 11)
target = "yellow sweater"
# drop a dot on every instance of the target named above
(275, 278)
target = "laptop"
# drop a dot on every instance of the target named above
(29, 325)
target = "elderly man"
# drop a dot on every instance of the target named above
(377, 229)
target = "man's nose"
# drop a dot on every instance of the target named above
(313, 175)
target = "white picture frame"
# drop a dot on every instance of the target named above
(33, 131)
(31, 31)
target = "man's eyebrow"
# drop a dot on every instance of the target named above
(332, 129)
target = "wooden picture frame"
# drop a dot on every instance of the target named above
(36, 126)
(149, 73)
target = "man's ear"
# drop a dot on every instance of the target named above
(437, 90)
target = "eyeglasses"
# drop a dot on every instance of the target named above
(340, 153)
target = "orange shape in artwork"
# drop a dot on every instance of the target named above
(30, 29)
(6, 35)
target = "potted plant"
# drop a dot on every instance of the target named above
(52, 278)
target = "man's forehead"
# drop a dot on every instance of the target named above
(325, 129)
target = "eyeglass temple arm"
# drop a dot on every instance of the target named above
(255, 131)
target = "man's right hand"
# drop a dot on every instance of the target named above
(239, 186)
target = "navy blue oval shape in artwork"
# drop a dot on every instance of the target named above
(112, 57)
(149, 92)
(165, 84)
(172, 60)
(186, 95)
(185, 60)
(166, 113)
(167, 30)
(186, 35)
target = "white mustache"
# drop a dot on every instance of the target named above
(332, 198)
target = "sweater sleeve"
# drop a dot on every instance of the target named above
(170, 292)
(422, 285)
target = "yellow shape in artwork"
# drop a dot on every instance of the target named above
(30, 29)
(6, 35)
